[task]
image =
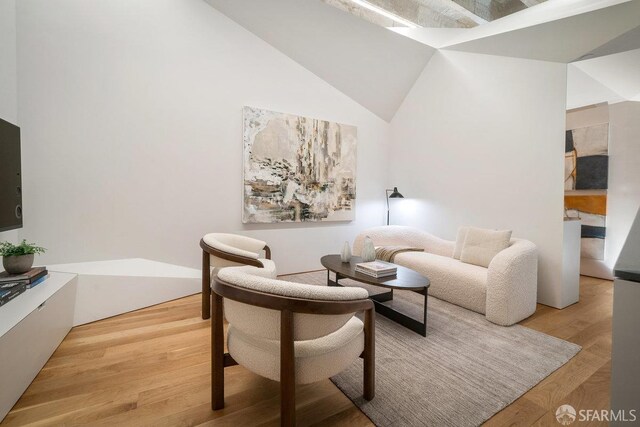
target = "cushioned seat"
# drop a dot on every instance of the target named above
(451, 280)
(315, 359)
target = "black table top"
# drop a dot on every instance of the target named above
(405, 278)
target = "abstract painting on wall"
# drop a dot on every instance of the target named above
(586, 160)
(592, 211)
(297, 168)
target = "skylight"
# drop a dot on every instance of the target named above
(432, 13)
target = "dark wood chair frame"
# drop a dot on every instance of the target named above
(287, 307)
(206, 270)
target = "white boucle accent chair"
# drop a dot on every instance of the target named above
(221, 250)
(289, 332)
(506, 291)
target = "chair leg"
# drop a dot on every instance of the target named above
(217, 355)
(369, 354)
(287, 371)
(206, 286)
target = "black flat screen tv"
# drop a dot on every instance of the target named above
(10, 177)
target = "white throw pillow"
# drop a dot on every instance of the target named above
(481, 245)
(462, 234)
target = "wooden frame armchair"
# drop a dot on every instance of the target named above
(223, 250)
(264, 311)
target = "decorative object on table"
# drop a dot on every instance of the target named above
(31, 278)
(592, 211)
(392, 194)
(18, 259)
(345, 255)
(297, 169)
(368, 250)
(586, 159)
(377, 269)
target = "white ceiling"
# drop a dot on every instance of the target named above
(547, 12)
(377, 67)
(619, 72)
(627, 41)
(531, 34)
(435, 37)
(372, 65)
(583, 90)
(609, 78)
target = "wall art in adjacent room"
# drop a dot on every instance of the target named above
(586, 159)
(297, 168)
(592, 211)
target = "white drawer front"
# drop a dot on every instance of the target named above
(25, 349)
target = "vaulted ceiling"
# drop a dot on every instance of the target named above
(372, 65)
(610, 78)
(377, 67)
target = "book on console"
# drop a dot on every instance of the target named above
(7, 295)
(6, 286)
(37, 281)
(28, 277)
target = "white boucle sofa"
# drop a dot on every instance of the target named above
(506, 292)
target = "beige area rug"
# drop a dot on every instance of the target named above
(463, 372)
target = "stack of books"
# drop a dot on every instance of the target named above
(12, 285)
(377, 269)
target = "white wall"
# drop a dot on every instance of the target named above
(131, 117)
(8, 76)
(623, 195)
(623, 198)
(480, 139)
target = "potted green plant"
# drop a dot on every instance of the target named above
(18, 259)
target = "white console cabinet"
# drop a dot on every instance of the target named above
(35, 323)
(31, 327)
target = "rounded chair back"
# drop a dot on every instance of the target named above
(265, 323)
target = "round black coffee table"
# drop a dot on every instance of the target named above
(405, 279)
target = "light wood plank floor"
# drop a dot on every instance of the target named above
(152, 367)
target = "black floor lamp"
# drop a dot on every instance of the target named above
(394, 195)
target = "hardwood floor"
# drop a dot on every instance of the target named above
(152, 367)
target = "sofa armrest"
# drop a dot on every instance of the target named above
(512, 283)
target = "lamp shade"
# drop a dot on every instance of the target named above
(395, 194)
